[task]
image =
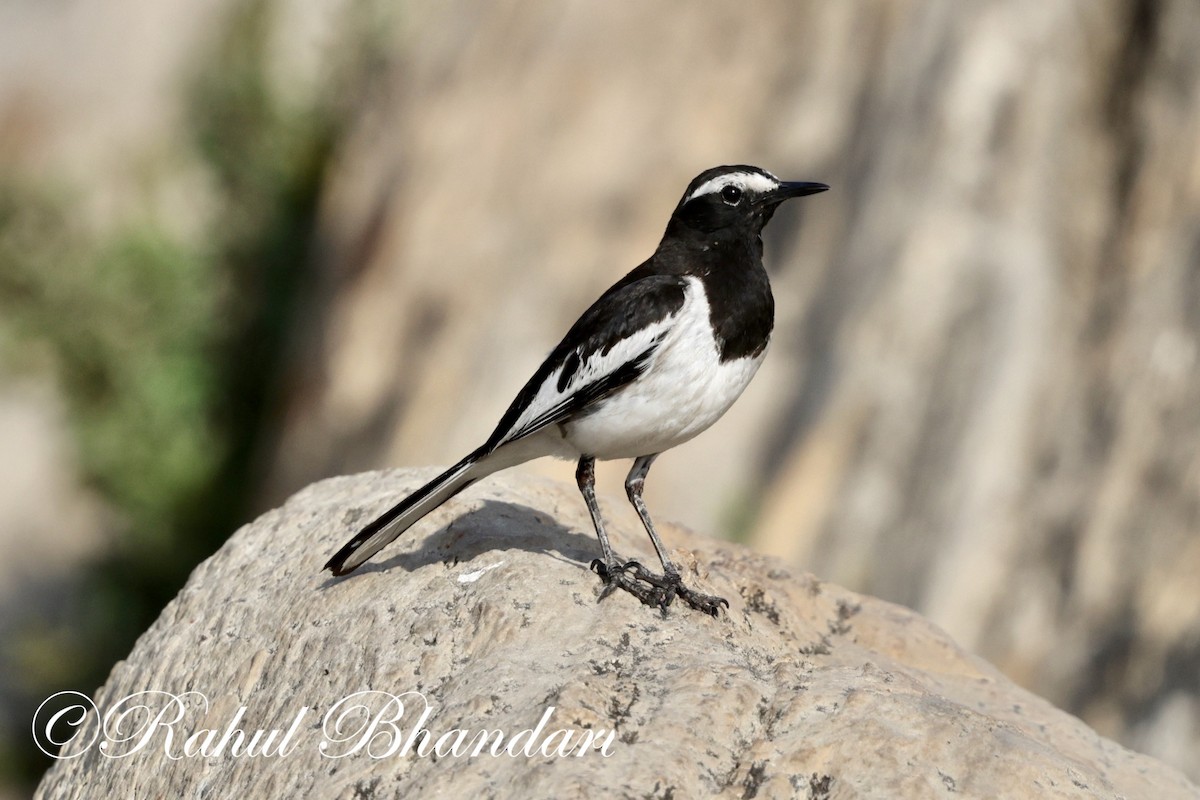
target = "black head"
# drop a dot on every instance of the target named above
(739, 199)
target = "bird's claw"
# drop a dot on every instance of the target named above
(617, 577)
(708, 603)
(652, 589)
(605, 570)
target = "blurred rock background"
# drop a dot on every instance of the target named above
(245, 244)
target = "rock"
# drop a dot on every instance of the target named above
(489, 611)
(982, 400)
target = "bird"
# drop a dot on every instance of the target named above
(654, 361)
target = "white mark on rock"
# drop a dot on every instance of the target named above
(474, 575)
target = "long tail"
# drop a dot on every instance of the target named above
(396, 520)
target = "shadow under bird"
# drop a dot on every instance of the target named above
(657, 359)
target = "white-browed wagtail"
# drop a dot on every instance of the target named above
(655, 361)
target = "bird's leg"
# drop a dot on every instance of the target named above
(613, 572)
(670, 581)
(635, 481)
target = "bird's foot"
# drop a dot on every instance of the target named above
(708, 603)
(672, 583)
(654, 589)
(618, 576)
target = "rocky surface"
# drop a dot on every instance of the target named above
(487, 609)
(982, 400)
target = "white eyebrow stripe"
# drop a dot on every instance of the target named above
(753, 181)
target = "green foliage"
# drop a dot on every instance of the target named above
(168, 351)
(127, 323)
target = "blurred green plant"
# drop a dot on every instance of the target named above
(168, 351)
(128, 324)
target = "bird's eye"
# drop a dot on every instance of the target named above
(731, 194)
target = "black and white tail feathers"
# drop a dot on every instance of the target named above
(384, 529)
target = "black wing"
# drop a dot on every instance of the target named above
(607, 348)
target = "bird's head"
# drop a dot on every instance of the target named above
(739, 199)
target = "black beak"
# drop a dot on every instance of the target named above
(786, 191)
(789, 189)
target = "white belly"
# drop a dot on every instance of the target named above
(684, 390)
